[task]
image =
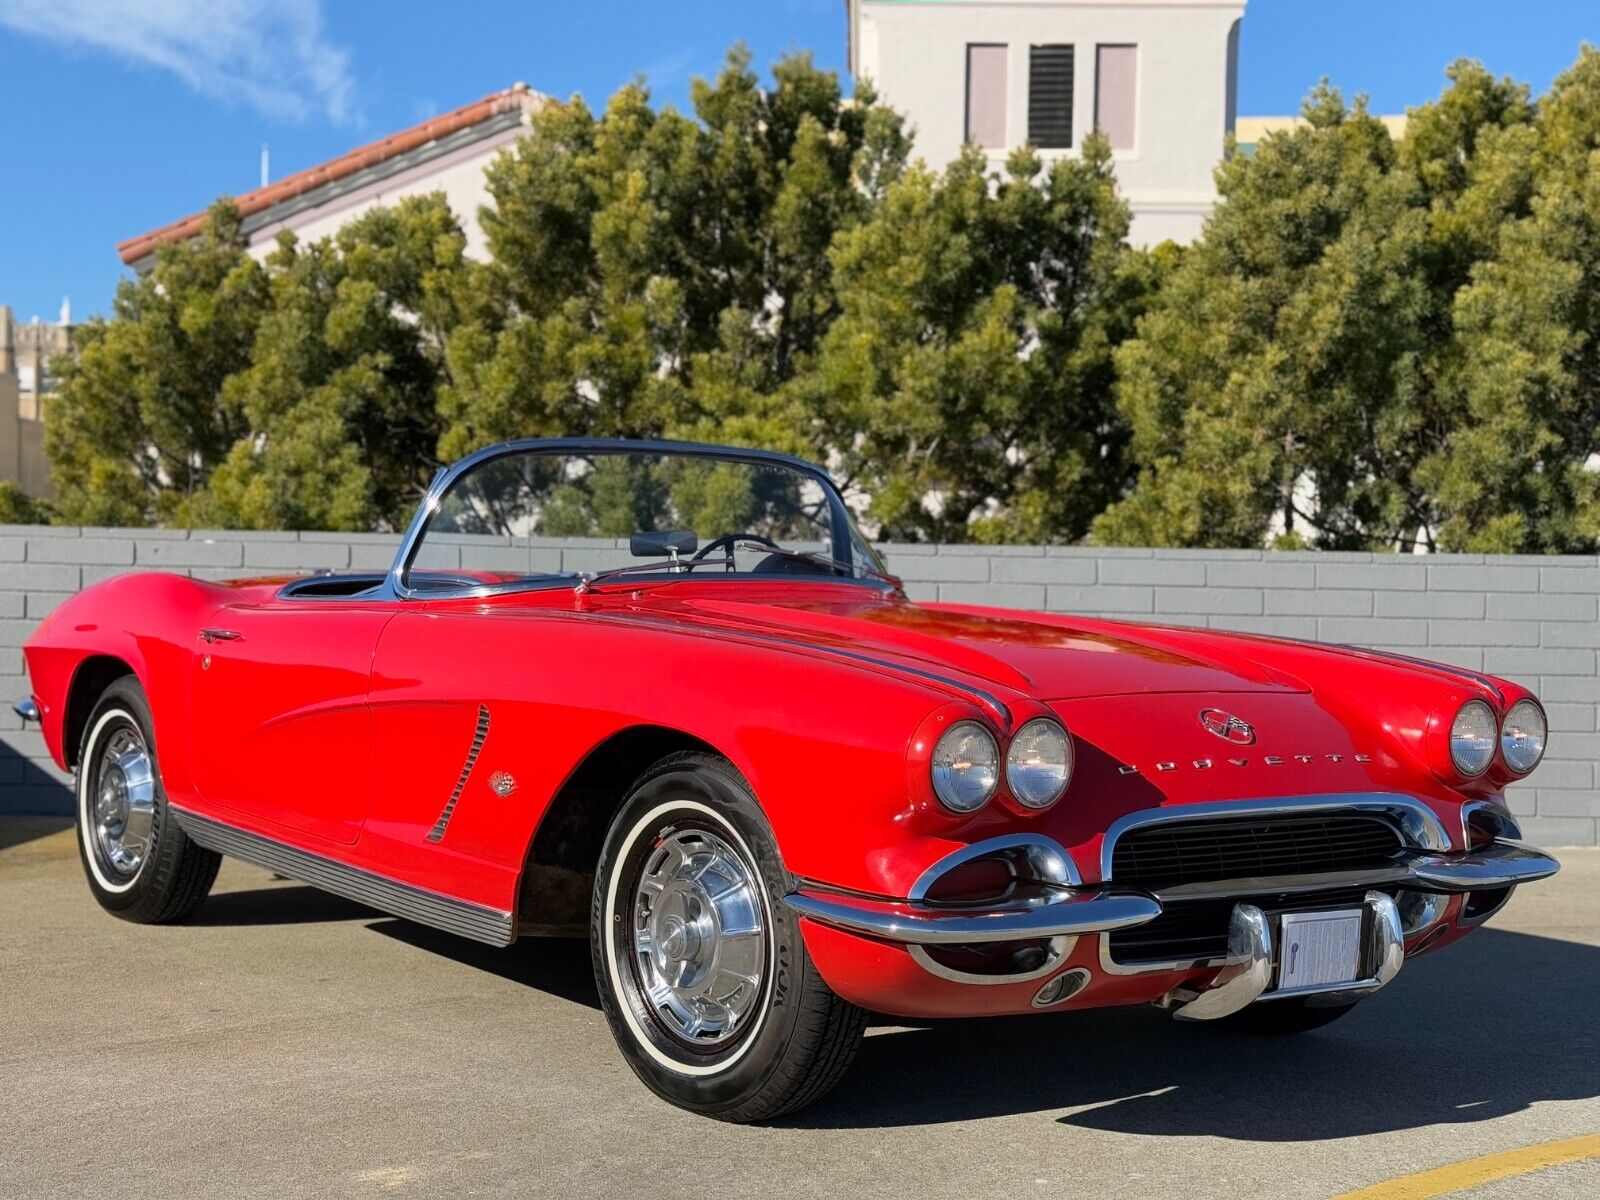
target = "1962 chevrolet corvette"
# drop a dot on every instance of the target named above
(773, 792)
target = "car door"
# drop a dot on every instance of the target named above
(280, 728)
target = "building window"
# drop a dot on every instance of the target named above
(1050, 97)
(986, 96)
(25, 377)
(1116, 79)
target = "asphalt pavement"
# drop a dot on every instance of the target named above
(288, 1043)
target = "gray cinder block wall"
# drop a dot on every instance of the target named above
(1531, 619)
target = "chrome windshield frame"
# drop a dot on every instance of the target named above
(839, 520)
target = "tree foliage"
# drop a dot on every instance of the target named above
(656, 274)
(138, 425)
(298, 392)
(1376, 342)
(966, 386)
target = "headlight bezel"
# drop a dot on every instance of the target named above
(1467, 770)
(1013, 767)
(942, 774)
(1544, 736)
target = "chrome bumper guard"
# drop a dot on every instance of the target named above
(1247, 973)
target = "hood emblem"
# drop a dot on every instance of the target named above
(502, 784)
(1228, 727)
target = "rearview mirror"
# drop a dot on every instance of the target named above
(667, 543)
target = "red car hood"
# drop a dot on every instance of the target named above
(1053, 658)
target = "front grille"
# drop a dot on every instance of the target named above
(1198, 929)
(1169, 853)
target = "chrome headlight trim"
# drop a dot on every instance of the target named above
(1034, 776)
(965, 767)
(1517, 735)
(1474, 735)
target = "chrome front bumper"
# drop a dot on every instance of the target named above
(1046, 913)
(1054, 910)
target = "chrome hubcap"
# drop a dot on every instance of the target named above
(124, 803)
(698, 936)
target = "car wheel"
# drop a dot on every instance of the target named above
(701, 968)
(1284, 1016)
(139, 864)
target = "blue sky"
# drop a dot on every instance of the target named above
(118, 121)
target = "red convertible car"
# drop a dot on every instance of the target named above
(774, 793)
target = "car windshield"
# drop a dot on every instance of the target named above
(548, 516)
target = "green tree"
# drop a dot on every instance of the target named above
(1301, 377)
(967, 384)
(17, 509)
(340, 393)
(296, 393)
(136, 429)
(1517, 472)
(654, 274)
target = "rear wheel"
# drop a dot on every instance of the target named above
(139, 864)
(701, 969)
(1284, 1016)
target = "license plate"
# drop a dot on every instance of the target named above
(1319, 949)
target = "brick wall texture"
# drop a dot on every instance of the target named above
(1531, 619)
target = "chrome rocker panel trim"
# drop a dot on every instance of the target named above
(462, 917)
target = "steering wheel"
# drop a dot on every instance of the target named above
(728, 541)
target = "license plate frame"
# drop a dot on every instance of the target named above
(1320, 951)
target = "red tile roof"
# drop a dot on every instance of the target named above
(518, 96)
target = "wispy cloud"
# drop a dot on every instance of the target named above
(665, 72)
(272, 55)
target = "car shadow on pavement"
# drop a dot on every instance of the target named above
(1486, 1027)
(291, 904)
(19, 831)
(559, 967)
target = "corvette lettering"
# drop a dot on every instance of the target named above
(1268, 760)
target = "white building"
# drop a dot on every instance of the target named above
(448, 154)
(1159, 77)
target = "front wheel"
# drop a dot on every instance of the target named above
(139, 864)
(701, 968)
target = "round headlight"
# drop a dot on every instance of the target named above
(1522, 736)
(966, 767)
(1039, 763)
(1472, 737)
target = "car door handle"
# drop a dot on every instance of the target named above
(211, 636)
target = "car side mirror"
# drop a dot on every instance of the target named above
(666, 543)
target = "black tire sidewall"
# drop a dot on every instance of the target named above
(694, 786)
(124, 697)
